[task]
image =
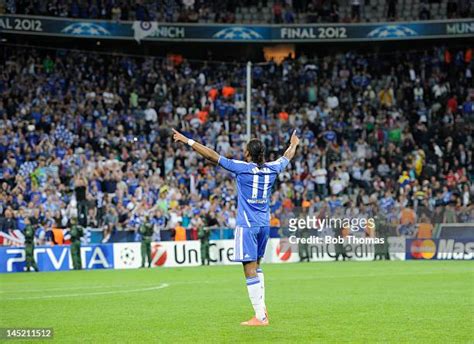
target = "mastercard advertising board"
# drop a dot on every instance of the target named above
(441, 249)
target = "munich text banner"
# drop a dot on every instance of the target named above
(34, 25)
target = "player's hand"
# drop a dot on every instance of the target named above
(178, 137)
(294, 141)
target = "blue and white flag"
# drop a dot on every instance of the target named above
(143, 29)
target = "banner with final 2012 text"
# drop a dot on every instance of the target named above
(154, 31)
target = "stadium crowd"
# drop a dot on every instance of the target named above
(88, 135)
(243, 11)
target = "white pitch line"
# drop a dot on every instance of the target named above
(161, 286)
(71, 288)
(323, 277)
(45, 290)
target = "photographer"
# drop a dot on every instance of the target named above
(203, 234)
(77, 233)
(146, 231)
(30, 246)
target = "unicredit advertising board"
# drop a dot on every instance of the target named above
(188, 253)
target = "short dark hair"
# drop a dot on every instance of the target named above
(256, 149)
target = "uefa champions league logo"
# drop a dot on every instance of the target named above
(237, 33)
(392, 31)
(85, 29)
(127, 256)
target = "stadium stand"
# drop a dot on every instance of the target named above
(86, 134)
(249, 12)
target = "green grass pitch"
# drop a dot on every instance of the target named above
(361, 302)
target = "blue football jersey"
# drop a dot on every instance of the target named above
(254, 185)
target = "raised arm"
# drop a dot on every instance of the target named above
(291, 150)
(206, 152)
